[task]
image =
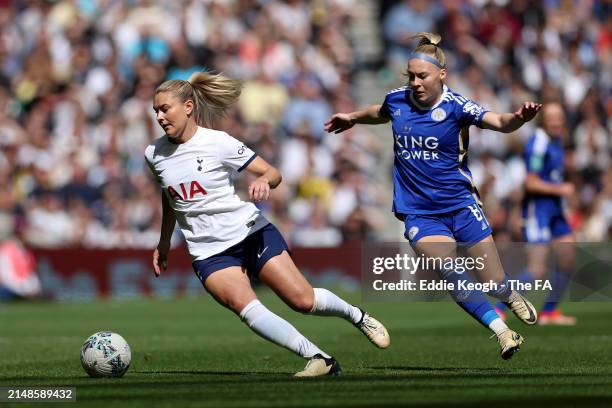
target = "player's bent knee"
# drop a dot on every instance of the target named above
(237, 304)
(302, 302)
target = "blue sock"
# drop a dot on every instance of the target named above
(524, 277)
(559, 282)
(503, 290)
(474, 302)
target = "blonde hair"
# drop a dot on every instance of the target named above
(212, 94)
(428, 44)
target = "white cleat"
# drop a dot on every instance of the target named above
(522, 308)
(510, 342)
(319, 365)
(374, 330)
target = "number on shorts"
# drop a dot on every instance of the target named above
(476, 212)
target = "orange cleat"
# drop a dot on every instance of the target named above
(556, 318)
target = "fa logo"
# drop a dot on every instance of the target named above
(412, 232)
(199, 160)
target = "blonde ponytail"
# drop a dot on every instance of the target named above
(212, 94)
(428, 44)
(427, 38)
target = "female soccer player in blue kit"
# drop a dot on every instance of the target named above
(544, 222)
(434, 194)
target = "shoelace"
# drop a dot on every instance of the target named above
(498, 335)
(514, 336)
(369, 326)
(521, 306)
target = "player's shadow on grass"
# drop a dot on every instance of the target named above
(203, 372)
(437, 369)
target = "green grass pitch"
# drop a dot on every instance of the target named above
(192, 352)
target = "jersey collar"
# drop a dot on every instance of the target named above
(542, 133)
(551, 138)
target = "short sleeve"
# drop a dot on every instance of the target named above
(148, 157)
(385, 110)
(471, 113)
(233, 153)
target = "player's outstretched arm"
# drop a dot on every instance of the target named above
(160, 255)
(509, 122)
(267, 177)
(340, 122)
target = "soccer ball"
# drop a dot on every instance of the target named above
(105, 354)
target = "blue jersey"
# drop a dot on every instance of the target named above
(543, 214)
(544, 156)
(430, 169)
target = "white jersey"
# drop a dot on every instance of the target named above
(196, 178)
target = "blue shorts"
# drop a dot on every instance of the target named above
(251, 254)
(541, 224)
(466, 225)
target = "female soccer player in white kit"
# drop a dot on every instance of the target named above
(226, 236)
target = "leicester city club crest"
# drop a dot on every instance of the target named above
(438, 114)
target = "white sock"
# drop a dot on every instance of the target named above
(328, 304)
(277, 330)
(498, 325)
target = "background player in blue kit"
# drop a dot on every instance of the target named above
(434, 194)
(543, 213)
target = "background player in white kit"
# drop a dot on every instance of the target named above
(226, 236)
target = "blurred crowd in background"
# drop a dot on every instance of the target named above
(76, 99)
(77, 79)
(501, 53)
